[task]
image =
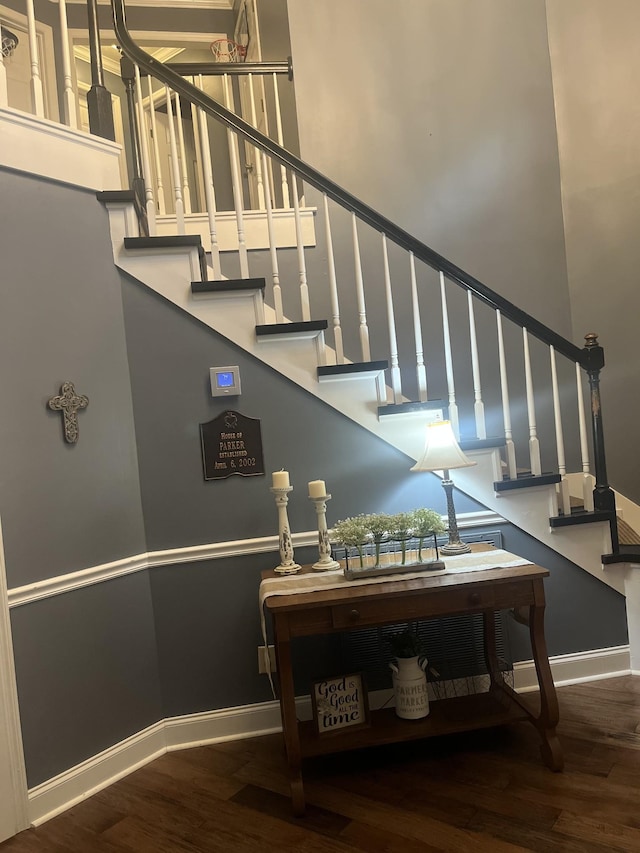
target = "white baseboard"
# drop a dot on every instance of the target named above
(576, 668)
(76, 784)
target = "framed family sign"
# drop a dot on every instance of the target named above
(339, 703)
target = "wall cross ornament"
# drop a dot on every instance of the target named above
(69, 403)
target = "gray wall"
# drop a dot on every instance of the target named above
(439, 113)
(595, 71)
(441, 116)
(85, 662)
(64, 507)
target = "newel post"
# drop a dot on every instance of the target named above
(98, 97)
(603, 495)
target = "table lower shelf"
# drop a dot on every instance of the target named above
(447, 716)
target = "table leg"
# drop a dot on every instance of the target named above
(290, 723)
(490, 650)
(549, 715)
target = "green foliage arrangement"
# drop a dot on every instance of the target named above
(356, 531)
(406, 644)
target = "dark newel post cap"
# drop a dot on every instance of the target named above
(594, 354)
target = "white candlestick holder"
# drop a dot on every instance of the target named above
(287, 565)
(325, 562)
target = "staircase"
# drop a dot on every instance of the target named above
(367, 318)
(526, 427)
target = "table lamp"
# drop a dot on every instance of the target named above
(441, 453)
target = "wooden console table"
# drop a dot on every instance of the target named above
(350, 607)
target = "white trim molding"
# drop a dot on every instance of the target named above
(61, 584)
(13, 781)
(51, 150)
(192, 730)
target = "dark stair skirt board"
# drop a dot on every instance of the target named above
(351, 371)
(291, 331)
(227, 286)
(527, 481)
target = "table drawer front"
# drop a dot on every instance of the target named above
(436, 603)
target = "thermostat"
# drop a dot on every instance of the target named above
(225, 381)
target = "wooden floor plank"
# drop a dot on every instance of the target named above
(481, 791)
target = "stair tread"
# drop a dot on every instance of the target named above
(228, 285)
(175, 240)
(106, 196)
(356, 367)
(480, 443)
(626, 554)
(580, 516)
(524, 481)
(292, 328)
(410, 407)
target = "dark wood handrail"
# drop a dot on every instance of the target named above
(321, 182)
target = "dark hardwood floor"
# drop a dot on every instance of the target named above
(483, 791)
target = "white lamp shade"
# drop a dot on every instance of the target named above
(441, 450)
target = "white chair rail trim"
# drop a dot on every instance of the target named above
(29, 593)
(192, 730)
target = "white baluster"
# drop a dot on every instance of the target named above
(283, 171)
(186, 192)
(302, 267)
(70, 113)
(421, 371)
(197, 195)
(36, 77)
(333, 285)
(362, 311)
(162, 207)
(563, 485)
(587, 485)
(175, 167)
(234, 157)
(150, 204)
(534, 444)
(478, 405)
(209, 190)
(257, 157)
(448, 361)
(506, 408)
(275, 274)
(396, 386)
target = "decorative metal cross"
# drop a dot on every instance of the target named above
(68, 402)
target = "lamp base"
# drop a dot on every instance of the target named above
(453, 548)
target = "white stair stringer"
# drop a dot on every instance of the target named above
(170, 272)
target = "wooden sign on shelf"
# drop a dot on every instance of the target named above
(339, 703)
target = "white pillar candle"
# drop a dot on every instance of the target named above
(317, 489)
(280, 479)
